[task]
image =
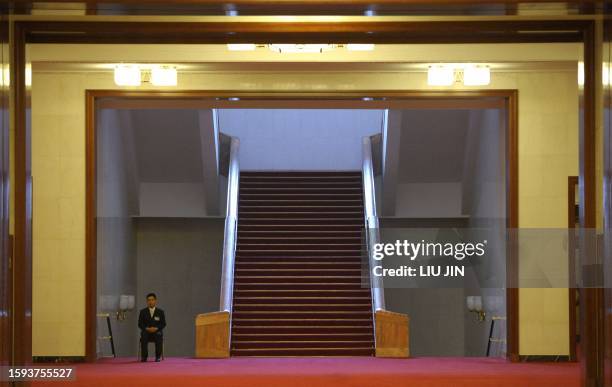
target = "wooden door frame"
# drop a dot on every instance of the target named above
(250, 99)
(453, 31)
(572, 182)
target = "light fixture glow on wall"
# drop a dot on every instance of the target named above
(474, 304)
(360, 47)
(164, 76)
(476, 75)
(440, 75)
(301, 48)
(127, 75)
(241, 47)
(127, 302)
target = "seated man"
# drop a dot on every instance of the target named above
(151, 322)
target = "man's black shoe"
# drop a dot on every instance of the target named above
(157, 360)
(144, 360)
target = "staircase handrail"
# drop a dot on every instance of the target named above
(231, 229)
(371, 222)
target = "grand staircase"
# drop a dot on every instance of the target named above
(297, 278)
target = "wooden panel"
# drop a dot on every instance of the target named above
(274, 31)
(392, 334)
(212, 335)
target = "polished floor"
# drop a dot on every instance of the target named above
(322, 372)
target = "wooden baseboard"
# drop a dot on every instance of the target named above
(212, 335)
(392, 334)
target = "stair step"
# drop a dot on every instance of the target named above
(301, 202)
(301, 173)
(301, 196)
(301, 215)
(282, 253)
(283, 183)
(297, 263)
(297, 223)
(300, 320)
(293, 314)
(270, 265)
(302, 307)
(310, 177)
(290, 344)
(297, 287)
(297, 273)
(302, 336)
(254, 298)
(270, 352)
(343, 240)
(355, 233)
(301, 329)
(249, 246)
(308, 208)
(301, 190)
(308, 293)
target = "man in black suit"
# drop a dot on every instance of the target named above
(151, 322)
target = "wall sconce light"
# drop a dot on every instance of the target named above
(440, 75)
(474, 304)
(164, 76)
(127, 75)
(127, 302)
(476, 75)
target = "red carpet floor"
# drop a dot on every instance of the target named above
(323, 372)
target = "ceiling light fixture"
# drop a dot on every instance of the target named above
(241, 46)
(440, 75)
(127, 75)
(164, 76)
(301, 48)
(476, 75)
(360, 46)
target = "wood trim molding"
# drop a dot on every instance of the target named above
(269, 98)
(279, 31)
(512, 225)
(91, 276)
(22, 267)
(591, 298)
(425, 32)
(572, 182)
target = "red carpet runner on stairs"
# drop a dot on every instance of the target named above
(298, 288)
(322, 372)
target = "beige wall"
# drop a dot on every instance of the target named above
(548, 153)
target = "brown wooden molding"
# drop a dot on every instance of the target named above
(572, 183)
(512, 225)
(269, 99)
(501, 31)
(171, 32)
(22, 185)
(91, 275)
